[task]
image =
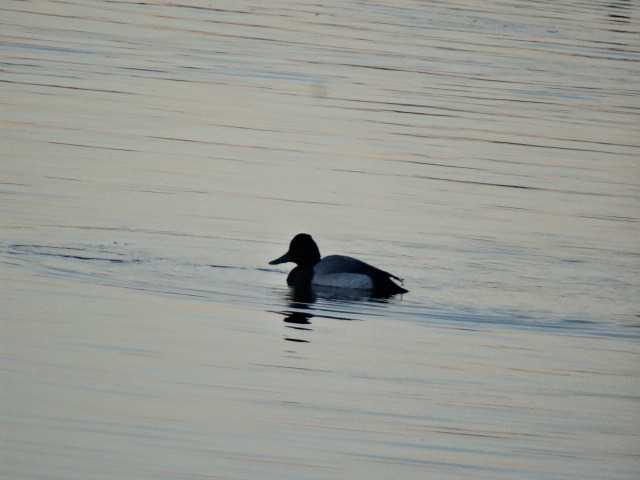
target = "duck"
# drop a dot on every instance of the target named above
(335, 270)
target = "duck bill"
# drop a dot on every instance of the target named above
(283, 259)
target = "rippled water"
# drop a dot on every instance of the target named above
(155, 157)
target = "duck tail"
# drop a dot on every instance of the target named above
(388, 287)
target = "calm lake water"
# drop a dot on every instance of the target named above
(155, 157)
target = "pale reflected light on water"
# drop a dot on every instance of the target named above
(155, 157)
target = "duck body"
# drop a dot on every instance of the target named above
(334, 270)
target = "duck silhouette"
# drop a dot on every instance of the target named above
(337, 271)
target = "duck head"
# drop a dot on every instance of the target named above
(303, 251)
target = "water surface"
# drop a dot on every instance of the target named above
(156, 156)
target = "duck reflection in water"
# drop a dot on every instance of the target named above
(300, 300)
